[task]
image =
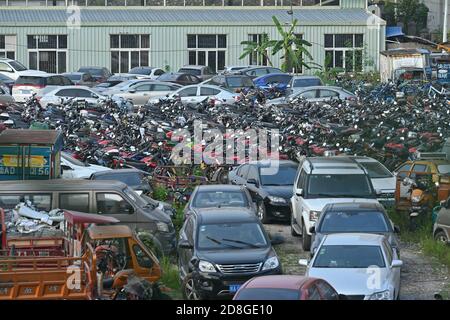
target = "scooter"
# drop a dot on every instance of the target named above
(422, 194)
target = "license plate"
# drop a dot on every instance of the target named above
(26, 91)
(234, 287)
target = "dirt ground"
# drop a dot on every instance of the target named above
(421, 276)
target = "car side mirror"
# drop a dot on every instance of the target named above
(396, 229)
(184, 244)
(303, 262)
(64, 167)
(396, 263)
(276, 239)
(299, 192)
(312, 229)
(132, 90)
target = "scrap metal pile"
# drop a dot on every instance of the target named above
(378, 124)
(27, 219)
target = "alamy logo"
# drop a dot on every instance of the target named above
(74, 19)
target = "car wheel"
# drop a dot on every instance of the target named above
(262, 213)
(293, 232)
(440, 236)
(306, 239)
(188, 288)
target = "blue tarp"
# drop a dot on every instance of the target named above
(394, 32)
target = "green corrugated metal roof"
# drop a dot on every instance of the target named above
(114, 16)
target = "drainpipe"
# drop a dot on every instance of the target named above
(444, 31)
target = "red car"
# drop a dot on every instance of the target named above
(286, 287)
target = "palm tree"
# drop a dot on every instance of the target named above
(260, 48)
(293, 46)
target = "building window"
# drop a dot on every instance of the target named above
(255, 58)
(47, 53)
(129, 51)
(7, 46)
(344, 51)
(207, 50)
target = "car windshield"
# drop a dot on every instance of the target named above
(31, 81)
(140, 71)
(206, 199)
(95, 72)
(443, 168)
(376, 170)
(18, 66)
(130, 179)
(135, 198)
(231, 236)
(269, 294)
(238, 82)
(340, 186)
(353, 221)
(306, 83)
(194, 72)
(281, 176)
(167, 76)
(349, 256)
(72, 76)
(73, 161)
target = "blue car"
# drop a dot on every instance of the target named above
(279, 80)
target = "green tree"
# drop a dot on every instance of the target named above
(260, 48)
(293, 47)
(407, 11)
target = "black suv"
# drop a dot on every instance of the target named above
(270, 184)
(220, 249)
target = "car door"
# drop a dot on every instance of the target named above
(139, 94)
(310, 95)
(254, 190)
(188, 95)
(206, 92)
(184, 254)
(297, 201)
(161, 90)
(394, 273)
(115, 205)
(87, 95)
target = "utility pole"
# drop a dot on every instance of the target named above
(291, 13)
(445, 30)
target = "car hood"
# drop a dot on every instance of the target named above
(236, 256)
(351, 281)
(386, 185)
(319, 203)
(390, 236)
(279, 191)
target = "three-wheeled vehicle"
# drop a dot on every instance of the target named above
(101, 260)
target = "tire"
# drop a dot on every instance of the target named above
(293, 232)
(440, 236)
(306, 239)
(262, 213)
(188, 288)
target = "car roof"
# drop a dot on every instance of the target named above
(91, 67)
(116, 171)
(305, 77)
(360, 206)
(219, 187)
(318, 87)
(60, 185)
(293, 282)
(267, 163)
(330, 165)
(363, 239)
(362, 159)
(38, 74)
(225, 215)
(191, 66)
(77, 73)
(72, 87)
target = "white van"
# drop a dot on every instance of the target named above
(13, 69)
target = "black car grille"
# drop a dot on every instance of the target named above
(355, 297)
(239, 268)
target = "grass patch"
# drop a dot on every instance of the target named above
(423, 237)
(170, 278)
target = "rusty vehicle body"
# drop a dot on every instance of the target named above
(80, 274)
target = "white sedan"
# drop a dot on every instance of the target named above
(359, 266)
(75, 169)
(197, 93)
(54, 96)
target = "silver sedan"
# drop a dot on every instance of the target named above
(315, 94)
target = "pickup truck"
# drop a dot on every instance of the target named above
(99, 262)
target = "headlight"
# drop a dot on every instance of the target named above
(271, 263)
(416, 198)
(383, 295)
(162, 226)
(206, 266)
(276, 199)
(314, 215)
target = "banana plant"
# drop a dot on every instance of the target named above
(261, 48)
(293, 47)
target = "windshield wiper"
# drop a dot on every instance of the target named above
(243, 242)
(220, 242)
